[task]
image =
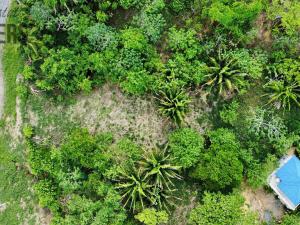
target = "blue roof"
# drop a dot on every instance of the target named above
(289, 175)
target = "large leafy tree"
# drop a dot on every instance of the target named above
(223, 160)
(217, 208)
(186, 145)
(235, 16)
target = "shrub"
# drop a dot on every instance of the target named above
(152, 25)
(101, 37)
(258, 172)
(229, 113)
(189, 72)
(151, 216)
(235, 16)
(182, 41)
(133, 38)
(63, 71)
(126, 4)
(137, 83)
(223, 160)
(287, 13)
(186, 146)
(231, 71)
(218, 209)
(290, 219)
(178, 5)
(284, 84)
(41, 14)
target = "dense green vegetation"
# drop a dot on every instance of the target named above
(240, 58)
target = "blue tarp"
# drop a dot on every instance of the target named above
(289, 175)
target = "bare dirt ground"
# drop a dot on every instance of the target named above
(107, 109)
(263, 203)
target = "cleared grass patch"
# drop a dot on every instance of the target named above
(16, 195)
(12, 66)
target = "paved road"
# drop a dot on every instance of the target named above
(3, 13)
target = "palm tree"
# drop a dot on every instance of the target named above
(150, 182)
(173, 102)
(224, 74)
(158, 169)
(283, 93)
(134, 189)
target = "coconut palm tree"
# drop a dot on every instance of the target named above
(283, 94)
(173, 102)
(158, 169)
(224, 74)
(134, 188)
(150, 182)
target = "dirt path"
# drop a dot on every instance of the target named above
(4, 4)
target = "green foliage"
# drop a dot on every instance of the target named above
(186, 145)
(62, 71)
(178, 5)
(102, 37)
(28, 131)
(173, 102)
(152, 25)
(183, 41)
(235, 16)
(133, 38)
(137, 83)
(74, 172)
(258, 172)
(41, 14)
(284, 84)
(151, 216)
(218, 209)
(150, 183)
(126, 4)
(230, 71)
(190, 73)
(47, 194)
(287, 13)
(266, 125)
(229, 113)
(124, 154)
(223, 160)
(82, 210)
(290, 219)
(134, 189)
(158, 169)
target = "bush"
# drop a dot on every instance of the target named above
(223, 160)
(178, 5)
(258, 172)
(152, 25)
(182, 41)
(286, 13)
(101, 37)
(63, 71)
(137, 83)
(186, 146)
(218, 209)
(152, 217)
(229, 113)
(235, 16)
